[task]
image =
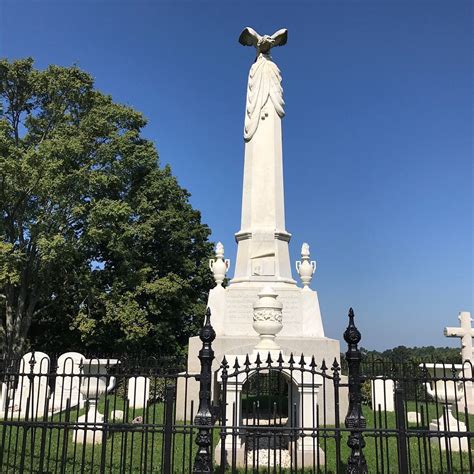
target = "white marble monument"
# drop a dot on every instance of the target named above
(465, 333)
(263, 259)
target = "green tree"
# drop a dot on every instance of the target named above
(100, 246)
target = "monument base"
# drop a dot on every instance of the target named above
(321, 348)
(232, 309)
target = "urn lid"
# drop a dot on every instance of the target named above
(267, 298)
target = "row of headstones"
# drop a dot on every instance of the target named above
(32, 395)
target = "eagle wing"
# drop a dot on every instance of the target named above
(280, 37)
(249, 37)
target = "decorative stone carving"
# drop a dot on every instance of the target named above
(264, 79)
(305, 267)
(266, 315)
(267, 319)
(219, 266)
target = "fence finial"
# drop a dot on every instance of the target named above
(204, 417)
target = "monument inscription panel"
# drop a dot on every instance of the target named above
(239, 311)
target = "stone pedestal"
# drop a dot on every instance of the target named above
(232, 310)
(92, 419)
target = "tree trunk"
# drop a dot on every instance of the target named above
(18, 314)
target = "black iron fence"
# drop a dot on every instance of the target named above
(272, 412)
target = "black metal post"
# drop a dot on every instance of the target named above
(168, 428)
(355, 421)
(204, 417)
(402, 430)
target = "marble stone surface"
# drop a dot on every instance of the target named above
(465, 333)
(68, 382)
(232, 310)
(321, 348)
(30, 396)
(3, 398)
(138, 392)
(383, 391)
(414, 417)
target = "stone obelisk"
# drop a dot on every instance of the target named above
(262, 270)
(262, 253)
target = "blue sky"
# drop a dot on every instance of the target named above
(377, 135)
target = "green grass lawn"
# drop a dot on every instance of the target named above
(125, 447)
(129, 448)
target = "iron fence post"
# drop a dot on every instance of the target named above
(401, 430)
(204, 416)
(336, 368)
(168, 428)
(355, 421)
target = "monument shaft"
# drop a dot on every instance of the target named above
(262, 308)
(262, 253)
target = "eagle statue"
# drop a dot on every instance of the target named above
(263, 44)
(264, 83)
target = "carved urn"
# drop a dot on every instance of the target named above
(267, 319)
(219, 265)
(305, 267)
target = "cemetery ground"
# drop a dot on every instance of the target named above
(48, 446)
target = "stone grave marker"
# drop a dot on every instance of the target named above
(383, 394)
(30, 396)
(138, 392)
(68, 382)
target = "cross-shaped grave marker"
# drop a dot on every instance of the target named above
(465, 332)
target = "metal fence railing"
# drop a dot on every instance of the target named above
(273, 412)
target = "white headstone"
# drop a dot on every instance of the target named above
(3, 398)
(31, 395)
(414, 417)
(68, 382)
(138, 392)
(383, 394)
(116, 415)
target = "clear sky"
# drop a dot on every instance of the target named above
(377, 137)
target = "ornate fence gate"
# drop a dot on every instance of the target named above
(282, 413)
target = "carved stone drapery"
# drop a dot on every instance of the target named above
(264, 83)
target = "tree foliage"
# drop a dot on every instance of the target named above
(100, 247)
(448, 355)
